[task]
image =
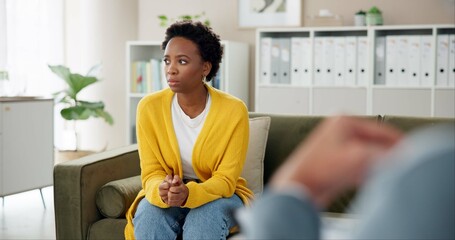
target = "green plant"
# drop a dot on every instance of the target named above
(360, 12)
(164, 20)
(78, 109)
(374, 10)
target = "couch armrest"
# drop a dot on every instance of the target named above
(76, 183)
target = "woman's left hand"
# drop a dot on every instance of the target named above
(178, 192)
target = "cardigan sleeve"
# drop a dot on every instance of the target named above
(153, 167)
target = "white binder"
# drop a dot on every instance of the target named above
(266, 61)
(362, 61)
(451, 79)
(414, 60)
(318, 60)
(296, 60)
(275, 61)
(379, 67)
(351, 60)
(328, 61)
(339, 63)
(306, 60)
(391, 58)
(285, 61)
(442, 60)
(402, 61)
(426, 50)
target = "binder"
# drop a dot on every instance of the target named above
(285, 61)
(402, 78)
(306, 60)
(351, 61)
(391, 63)
(318, 60)
(297, 54)
(275, 61)
(362, 60)
(426, 50)
(379, 64)
(414, 60)
(451, 79)
(339, 62)
(328, 61)
(266, 61)
(442, 60)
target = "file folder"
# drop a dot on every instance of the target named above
(285, 61)
(350, 70)
(426, 50)
(266, 61)
(391, 58)
(442, 60)
(362, 60)
(379, 67)
(451, 79)
(339, 62)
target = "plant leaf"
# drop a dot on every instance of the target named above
(61, 71)
(79, 82)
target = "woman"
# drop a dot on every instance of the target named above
(192, 142)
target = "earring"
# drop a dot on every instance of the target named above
(204, 78)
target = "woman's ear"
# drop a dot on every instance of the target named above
(207, 66)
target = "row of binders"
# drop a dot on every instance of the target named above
(147, 76)
(400, 60)
(407, 60)
(340, 61)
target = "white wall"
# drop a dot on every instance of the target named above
(96, 32)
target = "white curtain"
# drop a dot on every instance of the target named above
(32, 36)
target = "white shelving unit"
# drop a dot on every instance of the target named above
(371, 93)
(233, 73)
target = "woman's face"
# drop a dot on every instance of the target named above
(184, 66)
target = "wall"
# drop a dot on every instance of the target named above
(96, 31)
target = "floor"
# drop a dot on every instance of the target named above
(23, 215)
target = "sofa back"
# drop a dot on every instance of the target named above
(287, 131)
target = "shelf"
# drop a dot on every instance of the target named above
(353, 69)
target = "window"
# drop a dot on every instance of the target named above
(31, 37)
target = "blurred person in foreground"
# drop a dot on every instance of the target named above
(406, 184)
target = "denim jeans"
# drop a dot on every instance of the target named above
(209, 221)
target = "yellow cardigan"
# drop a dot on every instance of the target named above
(218, 155)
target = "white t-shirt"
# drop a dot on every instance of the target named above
(187, 130)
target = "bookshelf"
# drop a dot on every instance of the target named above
(231, 78)
(356, 70)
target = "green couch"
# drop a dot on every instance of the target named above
(81, 206)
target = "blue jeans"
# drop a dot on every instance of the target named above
(209, 221)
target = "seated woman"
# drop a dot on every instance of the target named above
(192, 141)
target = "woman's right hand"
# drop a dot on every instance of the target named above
(163, 188)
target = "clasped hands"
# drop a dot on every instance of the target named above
(173, 191)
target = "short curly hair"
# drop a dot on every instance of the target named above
(207, 41)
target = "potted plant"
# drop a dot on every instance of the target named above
(374, 16)
(359, 18)
(74, 108)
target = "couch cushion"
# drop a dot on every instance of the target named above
(253, 170)
(114, 198)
